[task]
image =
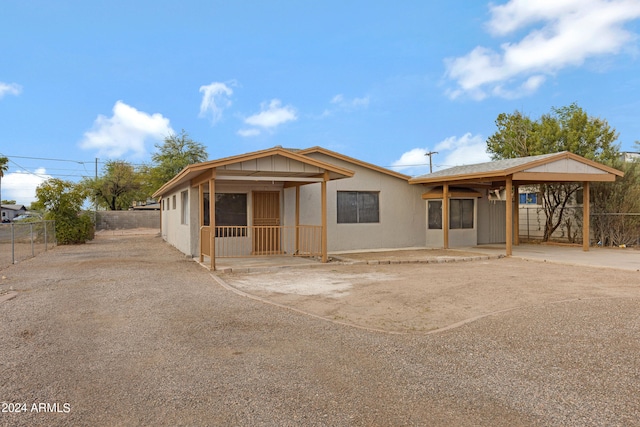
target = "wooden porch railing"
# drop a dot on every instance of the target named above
(245, 241)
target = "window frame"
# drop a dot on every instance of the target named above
(355, 210)
(184, 207)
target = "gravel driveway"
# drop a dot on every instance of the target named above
(125, 331)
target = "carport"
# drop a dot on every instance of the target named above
(510, 174)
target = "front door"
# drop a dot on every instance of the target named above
(266, 221)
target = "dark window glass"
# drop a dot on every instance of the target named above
(460, 213)
(358, 207)
(231, 210)
(435, 214)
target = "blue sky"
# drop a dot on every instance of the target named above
(381, 81)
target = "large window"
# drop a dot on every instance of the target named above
(460, 214)
(184, 207)
(356, 207)
(231, 211)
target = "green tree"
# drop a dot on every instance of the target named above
(118, 186)
(611, 201)
(563, 129)
(62, 201)
(176, 152)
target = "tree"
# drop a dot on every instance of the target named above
(612, 201)
(118, 186)
(4, 166)
(62, 201)
(173, 155)
(564, 129)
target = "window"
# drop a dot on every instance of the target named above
(528, 198)
(184, 204)
(434, 214)
(174, 201)
(357, 207)
(231, 210)
(460, 213)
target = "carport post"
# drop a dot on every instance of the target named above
(516, 215)
(585, 216)
(445, 215)
(324, 215)
(509, 221)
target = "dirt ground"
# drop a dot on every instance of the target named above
(424, 297)
(126, 330)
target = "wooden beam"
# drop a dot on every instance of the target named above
(516, 215)
(585, 216)
(297, 219)
(323, 192)
(445, 216)
(509, 221)
(268, 178)
(212, 223)
(201, 217)
(563, 177)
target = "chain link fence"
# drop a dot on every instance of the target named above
(20, 241)
(607, 229)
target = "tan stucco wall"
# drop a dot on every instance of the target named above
(180, 235)
(402, 211)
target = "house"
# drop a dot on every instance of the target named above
(11, 211)
(308, 202)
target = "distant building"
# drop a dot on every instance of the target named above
(11, 211)
(630, 156)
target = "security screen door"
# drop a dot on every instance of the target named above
(266, 221)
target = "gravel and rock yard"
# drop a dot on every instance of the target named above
(126, 331)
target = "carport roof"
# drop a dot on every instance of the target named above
(555, 167)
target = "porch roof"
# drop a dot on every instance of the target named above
(555, 167)
(277, 164)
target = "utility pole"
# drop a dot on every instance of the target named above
(430, 153)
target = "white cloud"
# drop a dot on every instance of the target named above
(125, 132)
(215, 99)
(21, 186)
(452, 151)
(350, 104)
(561, 34)
(248, 132)
(270, 116)
(10, 89)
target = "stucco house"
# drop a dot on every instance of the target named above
(11, 211)
(314, 201)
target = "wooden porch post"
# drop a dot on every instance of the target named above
(585, 216)
(201, 217)
(516, 215)
(509, 226)
(324, 216)
(445, 215)
(212, 220)
(297, 219)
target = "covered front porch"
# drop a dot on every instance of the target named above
(249, 205)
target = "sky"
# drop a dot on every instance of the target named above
(84, 82)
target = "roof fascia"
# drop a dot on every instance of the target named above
(212, 164)
(355, 161)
